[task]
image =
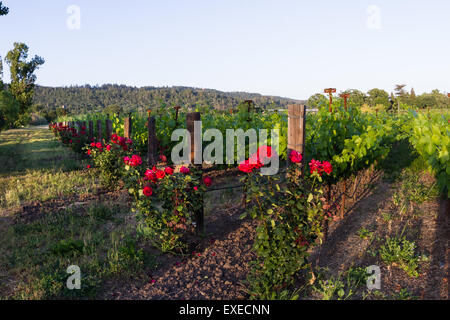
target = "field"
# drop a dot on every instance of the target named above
(57, 212)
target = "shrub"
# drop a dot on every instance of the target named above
(109, 159)
(289, 222)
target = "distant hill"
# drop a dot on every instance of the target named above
(79, 99)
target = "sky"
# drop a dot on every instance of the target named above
(284, 48)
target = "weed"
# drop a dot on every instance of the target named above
(400, 252)
(68, 247)
(364, 233)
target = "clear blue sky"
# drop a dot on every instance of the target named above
(286, 48)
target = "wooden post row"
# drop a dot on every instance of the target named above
(196, 149)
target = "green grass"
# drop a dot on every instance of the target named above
(36, 255)
(95, 236)
(36, 167)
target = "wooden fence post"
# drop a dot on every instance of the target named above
(152, 156)
(127, 127)
(249, 104)
(343, 199)
(99, 130)
(177, 109)
(296, 129)
(108, 129)
(196, 149)
(91, 131)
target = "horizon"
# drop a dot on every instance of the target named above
(291, 50)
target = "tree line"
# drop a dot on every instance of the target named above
(113, 98)
(381, 99)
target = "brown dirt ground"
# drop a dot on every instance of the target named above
(218, 266)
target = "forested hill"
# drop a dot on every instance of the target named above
(79, 99)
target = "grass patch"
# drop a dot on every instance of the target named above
(400, 252)
(36, 167)
(37, 255)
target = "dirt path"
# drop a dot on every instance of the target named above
(426, 224)
(215, 270)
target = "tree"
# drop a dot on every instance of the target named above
(3, 10)
(60, 112)
(317, 100)
(426, 100)
(400, 91)
(112, 109)
(9, 110)
(378, 96)
(357, 98)
(22, 77)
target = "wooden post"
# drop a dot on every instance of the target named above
(152, 156)
(330, 92)
(296, 129)
(196, 149)
(91, 131)
(108, 129)
(127, 127)
(99, 130)
(345, 96)
(343, 200)
(249, 108)
(177, 109)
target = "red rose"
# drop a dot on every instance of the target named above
(265, 153)
(246, 167)
(160, 174)
(295, 157)
(255, 161)
(88, 166)
(148, 191)
(184, 170)
(163, 158)
(150, 175)
(108, 147)
(314, 166)
(207, 181)
(326, 166)
(134, 161)
(99, 145)
(168, 170)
